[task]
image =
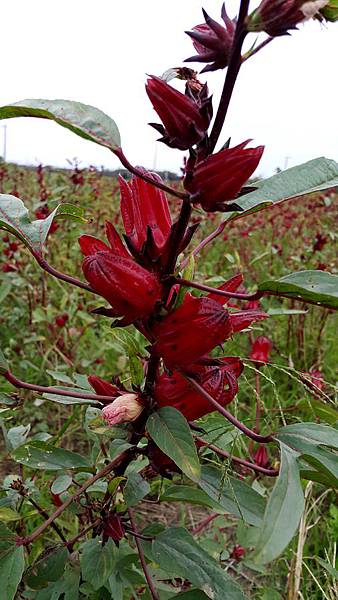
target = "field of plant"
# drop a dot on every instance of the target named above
(50, 337)
(168, 349)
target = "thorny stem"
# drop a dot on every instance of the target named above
(207, 288)
(135, 171)
(150, 582)
(262, 439)
(25, 541)
(59, 275)
(236, 459)
(52, 390)
(235, 62)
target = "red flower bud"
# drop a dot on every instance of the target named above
(61, 320)
(237, 552)
(185, 120)
(212, 42)
(113, 527)
(261, 458)
(104, 388)
(219, 178)
(145, 211)
(260, 350)
(276, 17)
(191, 331)
(129, 288)
(124, 409)
(220, 381)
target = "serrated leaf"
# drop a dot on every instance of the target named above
(283, 511)
(14, 217)
(232, 495)
(41, 455)
(315, 175)
(86, 121)
(316, 287)
(178, 554)
(12, 564)
(97, 561)
(314, 442)
(170, 431)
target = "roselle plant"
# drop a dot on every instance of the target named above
(147, 442)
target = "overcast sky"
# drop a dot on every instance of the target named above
(99, 53)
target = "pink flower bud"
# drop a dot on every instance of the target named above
(124, 409)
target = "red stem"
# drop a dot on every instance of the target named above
(150, 582)
(139, 173)
(262, 439)
(235, 62)
(52, 390)
(59, 275)
(205, 242)
(207, 288)
(236, 459)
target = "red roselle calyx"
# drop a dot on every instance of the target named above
(219, 178)
(146, 216)
(200, 324)
(260, 350)
(219, 380)
(104, 388)
(276, 17)
(113, 527)
(212, 41)
(124, 409)
(131, 290)
(185, 119)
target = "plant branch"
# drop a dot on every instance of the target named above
(71, 542)
(25, 541)
(262, 439)
(59, 275)
(257, 49)
(205, 242)
(150, 582)
(207, 288)
(139, 173)
(177, 237)
(45, 515)
(236, 459)
(204, 523)
(235, 62)
(53, 390)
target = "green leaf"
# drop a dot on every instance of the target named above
(12, 564)
(328, 567)
(185, 493)
(41, 455)
(283, 511)
(330, 10)
(14, 218)
(66, 588)
(8, 514)
(313, 441)
(86, 121)
(3, 363)
(233, 495)
(135, 489)
(16, 436)
(49, 566)
(316, 287)
(315, 175)
(59, 399)
(97, 561)
(319, 408)
(179, 555)
(170, 431)
(61, 484)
